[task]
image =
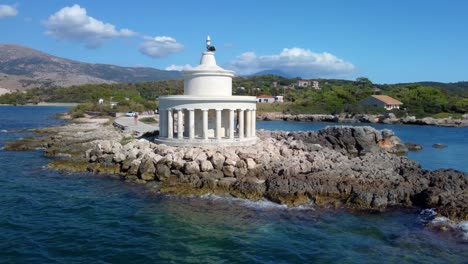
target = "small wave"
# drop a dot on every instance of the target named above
(245, 202)
(427, 215)
(429, 218)
(463, 228)
(260, 204)
(4, 131)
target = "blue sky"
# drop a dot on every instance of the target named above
(386, 41)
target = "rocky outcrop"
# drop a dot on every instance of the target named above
(337, 166)
(350, 140)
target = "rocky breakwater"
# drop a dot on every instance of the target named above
(337, 166)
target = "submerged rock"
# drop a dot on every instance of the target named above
(413, 146)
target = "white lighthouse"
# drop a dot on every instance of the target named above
(207, 114)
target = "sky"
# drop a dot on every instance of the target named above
(385, 41)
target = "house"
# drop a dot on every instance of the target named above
(376, 90)
(308, 83)
(303, 83)
(263, 98)
(384, 101)
(316, 85)
(279, 99)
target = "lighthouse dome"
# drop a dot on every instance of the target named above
(208, 79)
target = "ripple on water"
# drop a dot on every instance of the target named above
(47, 216)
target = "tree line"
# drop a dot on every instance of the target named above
(333, 97)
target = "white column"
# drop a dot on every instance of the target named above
(231, 124)
(248, 123)
(162, 123)
(170, 124)
(254, 122)
(241, 123)
(191, 123)
(218, 123)
(205, 123)
(180, 124)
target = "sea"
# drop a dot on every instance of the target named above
(48, 216)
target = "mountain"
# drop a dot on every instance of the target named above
(23, 68)
(273, 72)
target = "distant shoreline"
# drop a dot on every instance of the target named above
(44, 104)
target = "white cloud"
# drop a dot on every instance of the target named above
(160, 46)
(72, 23)
(295, 62)
(174, 67)
(8, 11)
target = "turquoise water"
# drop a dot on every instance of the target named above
(54, 217)
(454, 156)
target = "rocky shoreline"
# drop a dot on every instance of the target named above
(342, 166)
(364, 118)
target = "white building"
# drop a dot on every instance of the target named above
(303, 83)
(207, 114)
(308, 83)
(263, 98)
(316, 85)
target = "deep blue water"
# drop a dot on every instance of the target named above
(454, 156)
(49, 217)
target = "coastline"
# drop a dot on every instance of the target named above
(45, 104)
(336, 167)
(364, 118)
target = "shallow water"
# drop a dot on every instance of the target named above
(49, 216)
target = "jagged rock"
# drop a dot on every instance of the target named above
(147, 170)
(218, 160)
(230, 162)
(134, 167)
(206, 165)
(231, 155)
(191, 167)
(250, 163)
(226, 182)
(162, 172)
(200, 157)
(119, 156)
(178, 163)
(228, 170)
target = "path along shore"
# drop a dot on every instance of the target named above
(342, 166)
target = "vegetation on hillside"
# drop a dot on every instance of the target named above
(333, 97)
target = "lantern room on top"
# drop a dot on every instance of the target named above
(208, 79)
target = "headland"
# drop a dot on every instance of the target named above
(339, 166)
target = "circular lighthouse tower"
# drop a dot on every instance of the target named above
(207, 114)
